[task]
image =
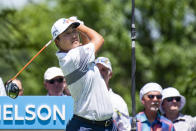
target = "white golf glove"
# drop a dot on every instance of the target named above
(74, 18)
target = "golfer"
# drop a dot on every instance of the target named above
(92, 105)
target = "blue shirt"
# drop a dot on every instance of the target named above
(159, 123)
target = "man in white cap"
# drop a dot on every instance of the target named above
(55, 82)
(92, 105)
(150, 119)
(171, 106)
(121, 114)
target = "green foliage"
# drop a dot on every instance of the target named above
(165, 45)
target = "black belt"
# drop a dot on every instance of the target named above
(104, 123)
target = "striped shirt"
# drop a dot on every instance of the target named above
(87, 87)
(160, 123)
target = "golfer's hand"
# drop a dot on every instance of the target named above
(75, 20)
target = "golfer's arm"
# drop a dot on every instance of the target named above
(93, 36)
(84, 38)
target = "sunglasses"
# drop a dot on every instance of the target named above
(170, 99)
(59, 80)
(153, 96)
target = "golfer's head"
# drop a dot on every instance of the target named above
(65, 34)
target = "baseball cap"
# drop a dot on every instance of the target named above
(104, 61)
(150, 87)
(172, 92)
(62, 24)
(52, 72)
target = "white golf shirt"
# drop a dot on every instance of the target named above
(121, 114)
(87, 87)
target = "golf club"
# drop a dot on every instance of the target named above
(11, 88)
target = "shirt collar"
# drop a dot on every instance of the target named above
(60, 55)
(179, 118)
(142, 117)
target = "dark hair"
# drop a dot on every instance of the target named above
(57, 38)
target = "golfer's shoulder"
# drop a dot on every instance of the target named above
(88, 47)
(80, 49)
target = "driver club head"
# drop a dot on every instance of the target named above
(12, 89)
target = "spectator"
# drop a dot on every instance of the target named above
(19, 84)
(121, 114)
(54, 82)
(92, 105)
(2, 88)
(171, 106)
(150, 119)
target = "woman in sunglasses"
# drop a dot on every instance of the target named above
(172, 104)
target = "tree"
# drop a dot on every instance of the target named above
(165, 49)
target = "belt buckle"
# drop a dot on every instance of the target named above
(107, 123)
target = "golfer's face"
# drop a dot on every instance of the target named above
(69, 39)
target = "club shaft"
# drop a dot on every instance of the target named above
(32, 59)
